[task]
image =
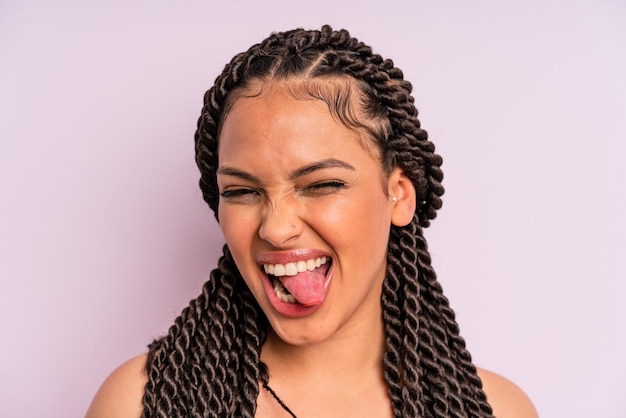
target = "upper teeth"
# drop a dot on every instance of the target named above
(291, 269)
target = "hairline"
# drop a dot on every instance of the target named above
(353, 117)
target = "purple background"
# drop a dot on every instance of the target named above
(105, 237)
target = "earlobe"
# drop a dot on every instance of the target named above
(402, 195)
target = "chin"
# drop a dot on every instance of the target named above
(299, 335)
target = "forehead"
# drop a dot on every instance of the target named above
(275, 132)
(279, 123)
(312, 107)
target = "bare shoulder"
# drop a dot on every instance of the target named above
(120, 394)
(505, 397)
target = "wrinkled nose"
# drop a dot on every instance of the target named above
(280, 224)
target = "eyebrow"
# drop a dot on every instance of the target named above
(319, 165)
(297, 173)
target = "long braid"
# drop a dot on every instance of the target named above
(400, 368)
(209, 363)
(194, 371)
(468, 381)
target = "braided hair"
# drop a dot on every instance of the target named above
(208, 365)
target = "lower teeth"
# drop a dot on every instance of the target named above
(282, 293)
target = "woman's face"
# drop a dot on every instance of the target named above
(303, 207)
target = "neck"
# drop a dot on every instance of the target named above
(349, 357)
(341, 376)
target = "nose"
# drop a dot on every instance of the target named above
(280, 223)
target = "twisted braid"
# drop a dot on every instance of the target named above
(196, 370)
(209, 363)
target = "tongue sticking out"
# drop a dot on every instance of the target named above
(307, 287)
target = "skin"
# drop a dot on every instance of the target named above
(267, 211)
(271, 207)
(120, 395)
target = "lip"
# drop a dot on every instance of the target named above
(291, 310)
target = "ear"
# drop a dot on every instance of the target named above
(401, 189)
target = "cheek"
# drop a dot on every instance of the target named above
(239, 231)
(354, 223)
(238, 228)
(330, 218)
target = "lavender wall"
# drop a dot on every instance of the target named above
(105, 237)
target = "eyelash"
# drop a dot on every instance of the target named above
(327, 186)
(236, 192)
(334, 184)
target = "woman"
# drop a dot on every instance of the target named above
(324, 303)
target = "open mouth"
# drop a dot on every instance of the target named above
(282, 293)
(302, 282)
